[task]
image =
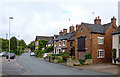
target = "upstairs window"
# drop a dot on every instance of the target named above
(63, 42)
(59, 43)
(100, 53)
(100, 40)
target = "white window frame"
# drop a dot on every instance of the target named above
(100, 53)
(59, 43)
(55, 44)
(63, 42)
(100, 40)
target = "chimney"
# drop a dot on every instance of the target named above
(64, 31)
(113, 20)
(97, 20)
(60, 33)
(77, 26)
(71, 28)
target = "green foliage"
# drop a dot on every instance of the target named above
(88, 56)
(48, 49)
(73, 57)
(82, 61)
(114, 53)
(65, 56)
(56, 54)
(13, 43)
(22, 44)
(60, 59)
(32, 45)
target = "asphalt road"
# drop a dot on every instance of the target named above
(41, 67)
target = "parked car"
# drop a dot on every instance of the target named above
(12, 55)
(45, 55)
(3, 54)
(32, 54)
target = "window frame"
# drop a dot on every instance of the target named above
(63, 42)
(99, 41)
(100, 53)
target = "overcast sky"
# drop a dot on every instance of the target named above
(48, 17)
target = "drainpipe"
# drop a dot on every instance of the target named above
(91, 44)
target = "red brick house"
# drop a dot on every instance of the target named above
(95, 39)
(65, 41)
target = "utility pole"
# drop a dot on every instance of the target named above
(6, 42)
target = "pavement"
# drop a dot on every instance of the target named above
(102, 67)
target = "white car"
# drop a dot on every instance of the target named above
(45, 55)
(32, 54)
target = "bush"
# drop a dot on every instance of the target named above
(73, 57)
(65, 56)
(82, 61)
(60, 59)
(56, 54)
(88, 56)
(53, 57)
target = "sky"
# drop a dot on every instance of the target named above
(33, 18)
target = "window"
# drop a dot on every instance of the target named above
(100, 53)
(100, 40)
(70, 43)
(59, 43)
(82, 30)
(63, 42)
(55, 43)
(36, 42)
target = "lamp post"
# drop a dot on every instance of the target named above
(9, 36)
(17, 44)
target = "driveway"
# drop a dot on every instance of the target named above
(42, 67)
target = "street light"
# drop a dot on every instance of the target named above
(9, 37)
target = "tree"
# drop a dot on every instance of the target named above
(31, 45)
(13, 43)
(23, 44)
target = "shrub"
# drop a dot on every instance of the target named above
(88, 56)
(82, 61)
(53, 57)
(60, 59)
(65, 56)
(73, 57)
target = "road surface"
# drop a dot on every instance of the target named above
(41, 67)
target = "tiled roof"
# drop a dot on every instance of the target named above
(50, 42)
(65, 36)
(117, 31)
(44, 37)
(97, 28)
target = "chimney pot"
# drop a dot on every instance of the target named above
(64, 31)
(71, 28)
